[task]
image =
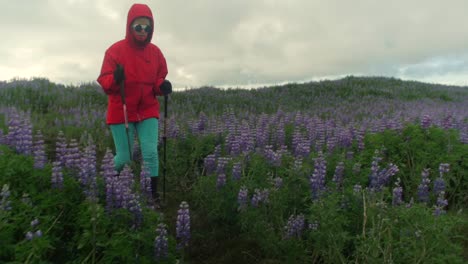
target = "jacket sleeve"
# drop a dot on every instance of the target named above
(161, 75)
(106, 78)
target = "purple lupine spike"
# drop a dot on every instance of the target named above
(236, 171)
(439, 183)
(160, 242)
(374, 176)
(426, 122)
(145, 183)
(294, 227)
(133, 206)
(332, 142)
(29, 236)
(360, 139)
(5, 203)
(14, 129)
(221, 166)
(183, 225)
(338, 176)
(34, 222)
(2, 139)
(61, 148)
(314, 225)
(385, 175)
(440, 204)
(265, 194)
(317, 179)
(423, 188)
(242, 198)
(277, 182)
(280, 134)
(40, 158)
(108, 173)
(397, 194)
(444, 168)
(256, 198)
(57, 176)
(73, 156)
(210, 164)
(297, 163)
(87, 171)
(38, 233)
(221, 181)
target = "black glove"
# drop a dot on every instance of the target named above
(166, 87)
(119, 74)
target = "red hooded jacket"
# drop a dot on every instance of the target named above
(145, 70)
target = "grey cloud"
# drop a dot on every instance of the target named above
(208, 42)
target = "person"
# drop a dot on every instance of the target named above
(138, 67)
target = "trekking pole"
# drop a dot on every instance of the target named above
(124, 104)
(165, 148)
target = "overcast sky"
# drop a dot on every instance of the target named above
(243, 42)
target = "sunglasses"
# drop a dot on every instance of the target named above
(139, 28)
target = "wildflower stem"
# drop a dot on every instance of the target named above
(364, 221)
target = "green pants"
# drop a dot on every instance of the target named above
(147, 131)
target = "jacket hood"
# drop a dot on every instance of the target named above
(138, 10)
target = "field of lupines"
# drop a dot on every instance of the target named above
(361, 170)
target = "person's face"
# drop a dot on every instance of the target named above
(141, 27)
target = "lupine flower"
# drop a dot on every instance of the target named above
(273, 157)
(34, 222)
(145, 183)
(242, 198)
(397, 194)
(73, 155)
(160, 242)
(221, 181)
(314, 225)
(236, 171)
(295, 226)
(439, 186)
(29, 235)
(40, 158)
(108, 172)
(38, 233)
(221, 167)
(5, 203)
(338, 176)
(440, 204)
(297, 163)
(133, 206)
(360, 139)
(277, 182)
(439, 183)
(183, 225)
(317, 179)
(210, 164)
(61, 148)
(423, 188)
(57, 176)
(378, 178)
(87, 171)
(260, 196)
(426, 122)
(2, 139)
